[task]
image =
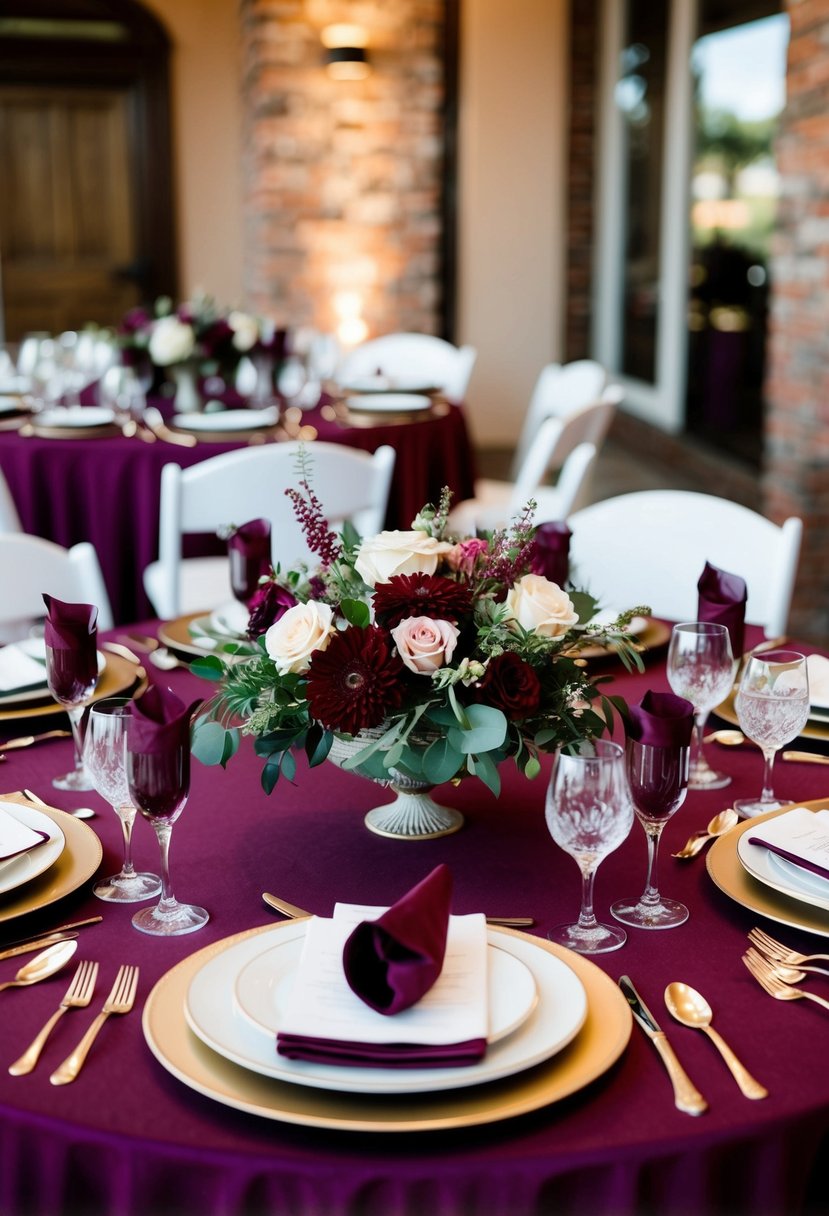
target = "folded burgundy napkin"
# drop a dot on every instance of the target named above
(380, 1055)
(391, 962)
(249, 551)
(70, 633)
(550, 552)
(800, 836)
(722, 601)
(661, 719)
(160, 723)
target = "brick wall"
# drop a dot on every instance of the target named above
(796, 471)
(342, 179)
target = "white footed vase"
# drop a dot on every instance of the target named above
(187, 398)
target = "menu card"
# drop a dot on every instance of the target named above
(801, 836)
(17, 837)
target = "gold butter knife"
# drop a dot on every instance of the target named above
(291, 910)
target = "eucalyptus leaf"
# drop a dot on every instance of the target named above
(209, 667)
(441, 761)
(213, 744)
(487, 770)
(487, 730)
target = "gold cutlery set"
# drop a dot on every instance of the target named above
(60, 945)
(777, 969)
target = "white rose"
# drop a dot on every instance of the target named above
(245, 330)
(541, 607)
(389, 553)
(423, 644)
(297, 634)
(172, 341)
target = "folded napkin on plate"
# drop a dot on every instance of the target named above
(818, 669)
(722, 601)
(17, 837)
(365, 963)
(801, 836)
(550, 552)
(18, 670)
(661, 720)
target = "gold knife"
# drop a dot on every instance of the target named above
(686, 1096)
(75, 924)
(41, 943)
(28, 740)
(806, 757)
(291, 910)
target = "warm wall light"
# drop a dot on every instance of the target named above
(345, 55)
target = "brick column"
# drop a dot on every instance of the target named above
(796, 466)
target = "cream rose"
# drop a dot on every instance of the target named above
(425, 645)
(172, 341)
(297, 634)
(541, 607)
(389, 553)
(245, 330)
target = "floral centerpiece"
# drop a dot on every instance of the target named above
(412, 657)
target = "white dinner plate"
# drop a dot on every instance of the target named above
(17, 870)
(388, 403)
(263, 987)
(231, 620)
(35, 649)
(214, 1017)
(387, 384)
(780, 875)
(10, 405)
(226, 420)
(79, 416)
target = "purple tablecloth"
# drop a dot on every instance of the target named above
(129, 1138)
(106, 490)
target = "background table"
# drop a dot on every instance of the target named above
(106, 489)
(127, 1137)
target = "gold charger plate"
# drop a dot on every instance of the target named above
(598, 1045)
(812, 729)
(74, 432)
(727, 872)
(77, 863)
(176, 635)
(655, 634)
(118, 677)
(252, 434)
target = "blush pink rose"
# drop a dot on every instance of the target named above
(463, 556)
(425, 645)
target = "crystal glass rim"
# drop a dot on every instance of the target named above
(779, 658)
(712, 627)
(110, 705)
(609, 751)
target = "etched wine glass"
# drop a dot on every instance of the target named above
(589, 814)
(701, 669)
(104, 759)
(159, 784)
(658, 780)
(772, 705)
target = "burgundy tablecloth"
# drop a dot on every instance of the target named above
(128, 1138)
(106, 490)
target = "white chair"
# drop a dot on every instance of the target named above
(31, 565)
(560, 389)
(651, 546)
(9, 519)
(410, 359)
(496, 502)
(250, 484)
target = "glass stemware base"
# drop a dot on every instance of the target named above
(600, 939)
(127, 888)
(663, 914)
(747, 808)
(702, 777)
(169, 918)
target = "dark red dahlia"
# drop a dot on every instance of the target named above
(430, 595)
(355, 682)
(511, 685)
(268, 604)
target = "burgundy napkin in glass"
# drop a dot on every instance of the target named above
(722, 601)
(550, 553)
(391, 962)
(249, 551)
(70, 631)
(160, 722)
(661, 719)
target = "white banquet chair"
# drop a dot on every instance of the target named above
(9, 518)
(31, 566)
(651, 546)
(410, 359)
(250, 484)
(561, 389)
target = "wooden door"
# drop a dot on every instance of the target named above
(67, 211)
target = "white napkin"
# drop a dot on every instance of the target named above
(321, 1004)
(18, 669)
(16, 837)
(818, 668)
(800, 836)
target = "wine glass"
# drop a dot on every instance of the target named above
(772, 705)
(658, 780)
(104, 759)
(701, 669)
(589, 814)
(72, 676)
(159, 783)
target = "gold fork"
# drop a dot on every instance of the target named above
(764, 973)
(778, 952)
(78, 995)
(120, 1000)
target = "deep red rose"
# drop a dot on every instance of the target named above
(267, 605)
(356, 681)
(511, 685)
(430, 595)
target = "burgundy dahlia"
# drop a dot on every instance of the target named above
(430, 595)
(267, 605)
(511, 685)
(356, 681)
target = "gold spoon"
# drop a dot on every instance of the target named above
(691, 1009)
(42, 965)
(718, 825)
(728, 738)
